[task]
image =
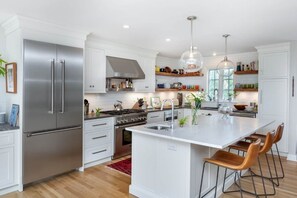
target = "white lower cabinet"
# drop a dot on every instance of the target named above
(8, 161)
(6, 166)
(98, 140)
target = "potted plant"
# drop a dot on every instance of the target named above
(98, 111)
(183, 121)
(2, 69)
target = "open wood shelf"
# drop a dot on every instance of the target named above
(164, 89)
(247, 89)
(196, 74)
(246, 72)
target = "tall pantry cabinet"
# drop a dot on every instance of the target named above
(274, 76)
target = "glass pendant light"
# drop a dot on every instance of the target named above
(191, 60)
(225, 65)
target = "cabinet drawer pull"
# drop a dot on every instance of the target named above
(99, 152)
(155, 116)
(94, 125)
(103, 136)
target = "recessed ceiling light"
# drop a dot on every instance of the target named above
(126, 26)
(214, 54)
(168, 40)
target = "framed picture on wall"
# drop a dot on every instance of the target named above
(11, 77)
(156, 102)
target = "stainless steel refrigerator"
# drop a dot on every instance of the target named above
(53, 101)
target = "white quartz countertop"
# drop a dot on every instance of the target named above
(211, 131)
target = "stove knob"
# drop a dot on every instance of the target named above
(125, 120)
(119, 121)
(132, 119)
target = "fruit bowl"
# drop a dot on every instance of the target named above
(240, 107)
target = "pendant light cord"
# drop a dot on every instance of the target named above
(226, 46)
(191, 49)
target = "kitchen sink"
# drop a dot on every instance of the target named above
(158, 127)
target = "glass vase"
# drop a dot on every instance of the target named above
(195, 112)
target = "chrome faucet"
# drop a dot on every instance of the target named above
(215, 94)
(172, 110)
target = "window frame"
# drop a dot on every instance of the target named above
(221, 90)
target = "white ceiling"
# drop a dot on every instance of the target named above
(250, 22)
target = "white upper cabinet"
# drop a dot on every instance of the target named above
(274, 65)
(148, 84)
(274, 61)
(95, 70)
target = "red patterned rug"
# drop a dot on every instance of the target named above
(123, 166)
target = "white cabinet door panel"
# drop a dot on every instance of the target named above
(147, 84)
(6, 167)
(274, 65)
(95, 71)
(273, 104)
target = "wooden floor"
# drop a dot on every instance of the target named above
(102, 181)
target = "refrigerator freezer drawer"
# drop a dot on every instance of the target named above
(51, 153)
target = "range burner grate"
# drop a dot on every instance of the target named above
(122, 112)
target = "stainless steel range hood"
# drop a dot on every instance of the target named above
(123, 68)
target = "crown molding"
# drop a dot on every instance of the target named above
(33, 25)
(274, 47)
(96, 42)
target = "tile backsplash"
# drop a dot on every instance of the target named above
(106, 101)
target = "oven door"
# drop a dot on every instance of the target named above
(123, 140)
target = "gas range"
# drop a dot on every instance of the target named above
(122, 137)
(128, 116)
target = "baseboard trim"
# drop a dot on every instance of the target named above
(142, 192)
(88, 165)
(9, 190)
(291, 157)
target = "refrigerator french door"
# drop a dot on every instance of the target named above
(53, 95)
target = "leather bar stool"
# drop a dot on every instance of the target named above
(233, 162)
(277, 137)
(244, 146)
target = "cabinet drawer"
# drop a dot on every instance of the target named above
(97, 153)
(6, 139)
(99, 124)
(97, 138)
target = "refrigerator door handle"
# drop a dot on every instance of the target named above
(51, 111)
(54, 131)
(62, 86)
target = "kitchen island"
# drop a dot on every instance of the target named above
(168, 163)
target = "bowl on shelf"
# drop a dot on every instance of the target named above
(161, 86)
(240, 107)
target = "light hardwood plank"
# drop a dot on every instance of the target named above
(103, 182)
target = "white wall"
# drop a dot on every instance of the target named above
(2, 79)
